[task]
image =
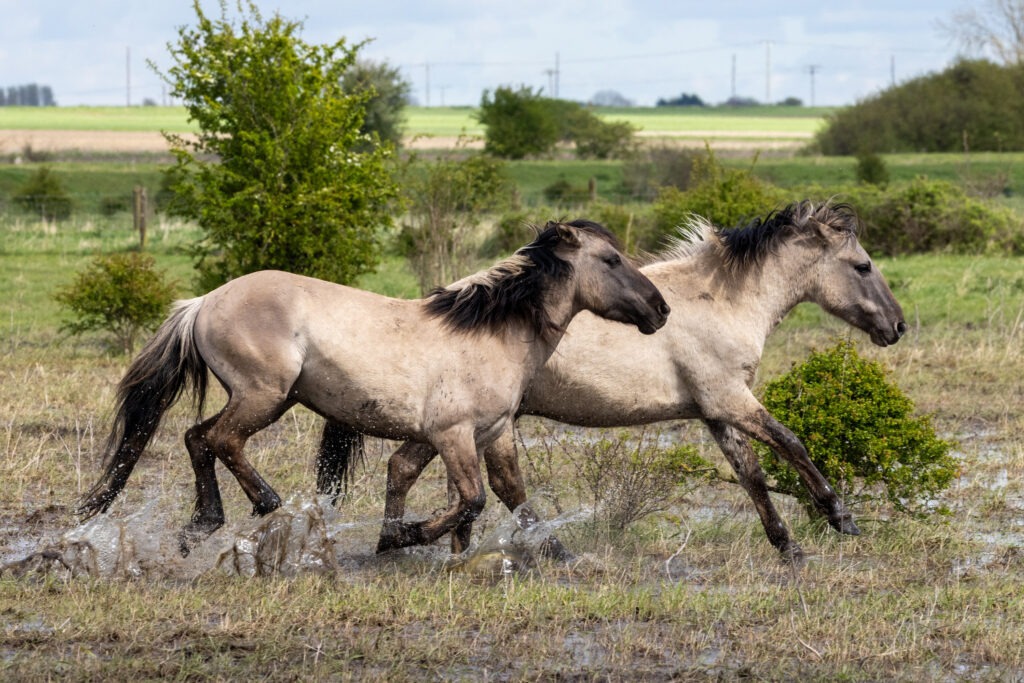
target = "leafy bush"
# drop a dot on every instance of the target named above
(931, 215)
(726, 197)
(43, 194)
(859, 430)
(656, 166)
(121, 294)
(871, 169)
(388, 93)
(597, 139)
(972, 104)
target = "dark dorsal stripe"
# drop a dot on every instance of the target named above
(512, 291)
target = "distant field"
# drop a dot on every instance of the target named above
(437, 121)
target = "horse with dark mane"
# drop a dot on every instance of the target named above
(728, 290)
(448, 371)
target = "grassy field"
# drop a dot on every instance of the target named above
(442, 121)
(696, 592)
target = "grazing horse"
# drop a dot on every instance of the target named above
(448, 370)
(728, 290)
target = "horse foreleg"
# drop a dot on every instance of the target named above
(736, 448)
(762, 426)
(404, 467)
(209, 511)
(462, 463)
(506, 480)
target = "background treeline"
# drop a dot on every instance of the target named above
(29, 95)
(973, 105)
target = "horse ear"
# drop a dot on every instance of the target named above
(825, 232)
(568, 235)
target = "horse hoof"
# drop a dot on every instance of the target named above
(399, 535)
(793, 554)
(195, 533)
(844, 524)
(553, 549)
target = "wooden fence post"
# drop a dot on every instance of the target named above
(139, 213)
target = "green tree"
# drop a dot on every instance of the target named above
(387, 94)
(121, 294)
(519, 123)
(279, 174)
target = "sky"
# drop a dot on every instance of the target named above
(823, 52)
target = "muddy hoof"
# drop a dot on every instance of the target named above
(794, 554)
(195, 533)
(396, 535)
(844, 524)
(553, 549)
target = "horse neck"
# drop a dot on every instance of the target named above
(761, 294)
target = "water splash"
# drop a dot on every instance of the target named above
(290, 540)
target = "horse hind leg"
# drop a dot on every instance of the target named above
(736, 448)
(208, 515)
(404, 467)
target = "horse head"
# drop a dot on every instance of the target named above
(608, 283)
(848, 284)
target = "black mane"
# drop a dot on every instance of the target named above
(749, 244)
(513, 291)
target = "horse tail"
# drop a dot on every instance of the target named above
(339, 446)
(155, 380)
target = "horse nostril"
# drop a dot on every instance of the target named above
(664, 309)
(901, 328)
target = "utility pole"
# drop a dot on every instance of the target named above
(427, 87)
(812, 69)
(767, 72)
(892, 70)
(732, 89)
(557, 74)
(128, 76)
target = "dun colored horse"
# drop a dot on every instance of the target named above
(728, 290)
(448, 370)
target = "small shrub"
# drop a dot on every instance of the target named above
(44, 195)
(121, 294)
(726, 197)
(933, 215)
(652, 168)
(562, 192)
(871, 169)
(859, 430)
(113, 204)
(627, 477)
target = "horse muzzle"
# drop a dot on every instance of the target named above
(889, 336)
(655, 321)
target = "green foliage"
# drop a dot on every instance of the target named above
(521, 123)
(653, 167)
(871, 169)
(726, 197)
(121, 294)
(280, 175)
(974, 105)
(932, 215)
(445, 199)
(43, 194)
(387, 94)
(860, 431)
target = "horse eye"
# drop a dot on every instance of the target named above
(863, 268)
(613, 260)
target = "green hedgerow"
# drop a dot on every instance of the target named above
(860, 431)
(119, 293)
